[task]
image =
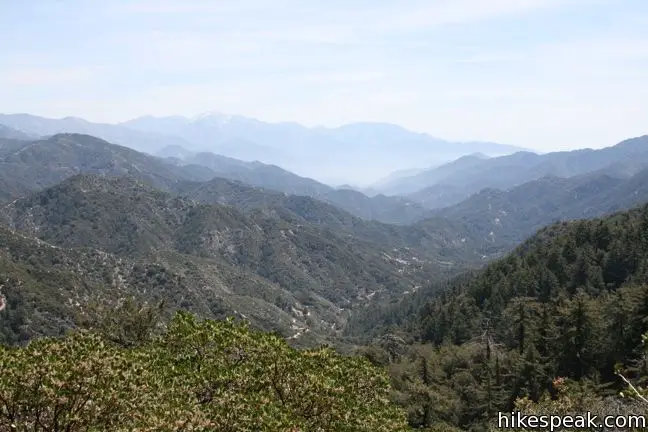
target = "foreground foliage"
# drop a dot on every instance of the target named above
(199, 376)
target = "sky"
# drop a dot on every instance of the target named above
(541, 74)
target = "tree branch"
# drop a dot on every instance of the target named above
(643, 399)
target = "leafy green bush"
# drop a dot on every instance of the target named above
(199, 376)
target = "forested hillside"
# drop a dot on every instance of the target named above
(571, 302)
(293, 277)
(556, 326)
(444, 240)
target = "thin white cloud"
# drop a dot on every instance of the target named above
(46, 76)
(296, 20)
(603, 57)
(429, 14)
(174, 7)
(239, 52)
(487, 58)
(344, 76)
(608, 60)
(306, 34)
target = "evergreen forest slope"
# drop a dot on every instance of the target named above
(564, 312)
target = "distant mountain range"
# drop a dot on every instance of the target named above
(11, 133)
(395, 210)
(30, 165)
(451, 183)
(492, 220)
(356, 153)
(352, 153)
(509, 217)
(40, 127)
(407, 182)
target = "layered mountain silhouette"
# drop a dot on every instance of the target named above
(28, 165)
(451, 183)
(10, 133)
(509, 217)
(354, 153)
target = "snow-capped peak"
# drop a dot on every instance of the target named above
(214, 116)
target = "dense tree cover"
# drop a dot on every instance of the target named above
(197, 375)
(571, 302)
(574, 399)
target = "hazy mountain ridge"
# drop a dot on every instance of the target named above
(44, 163)
(395, 210)
(512, 216)
(403, 184)
(32, 165)
(36, 126)
(332, 155)
(452, 184)
(318, 151)
(10, 133)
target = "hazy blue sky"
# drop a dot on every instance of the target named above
(546, 74)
